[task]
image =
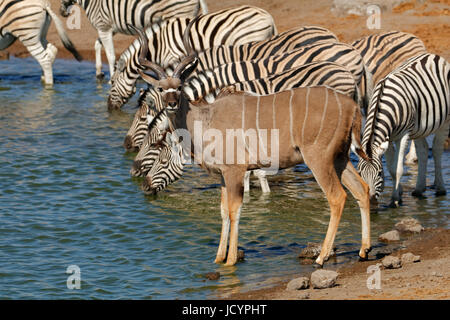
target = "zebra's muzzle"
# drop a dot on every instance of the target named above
(136, 168)
(128, 145)
(147, 186)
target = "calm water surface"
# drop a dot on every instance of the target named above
(66, 198)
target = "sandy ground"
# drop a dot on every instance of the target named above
(428, 279)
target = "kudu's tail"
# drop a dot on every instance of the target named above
(62, 33)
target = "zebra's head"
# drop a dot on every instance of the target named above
(372, 173)
(167, 168)
(142, 118)
(151, 145)
(65, 5)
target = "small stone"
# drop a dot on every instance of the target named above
(390, 236)
(241, 255)
(212, 275)
(409, 258)
(391, 262)
(321, 279)
(303, 295)
(298, 284)
(436, 274)
(306, 261)
(4, 55)
(312, 251)
(409, 225)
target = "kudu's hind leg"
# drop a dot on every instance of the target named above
(326, 176)
(360, 190)
(437, 150)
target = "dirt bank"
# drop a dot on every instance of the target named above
(428, 21)
(427, 279)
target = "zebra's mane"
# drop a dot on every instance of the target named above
(372, 115)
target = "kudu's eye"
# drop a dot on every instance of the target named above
(160, 89)
(180, 88)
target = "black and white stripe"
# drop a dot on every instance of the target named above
(231, 26)
(109, 17)
(28, 21)
(299, 63)
(411, 102)
(384, 52)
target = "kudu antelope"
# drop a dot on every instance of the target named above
(315, 126)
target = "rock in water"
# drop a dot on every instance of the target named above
(4, 55)
(312, 251)
(298, 284)
(390, 236)
(409, 225)
(322, 279)
(409, 258)
(212, 275)
(391, 262)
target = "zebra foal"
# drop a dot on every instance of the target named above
(411, 102)
(28, 21)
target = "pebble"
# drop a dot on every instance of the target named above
(390, 236)
(391, 262)
(312, 251)
(321, 279)
(212, 275)
(241, 255)
(298, 284)
(409, 258)
(409, 225)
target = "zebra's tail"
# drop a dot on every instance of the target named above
(356, 136)
(203, 6)
(368, 88)
(62, 34)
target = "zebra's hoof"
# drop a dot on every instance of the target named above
(100, 76)
(440, 193)
(418, 194)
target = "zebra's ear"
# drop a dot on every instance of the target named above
(382, 148)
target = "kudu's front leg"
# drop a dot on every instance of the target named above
(233, 180)
(222, 251)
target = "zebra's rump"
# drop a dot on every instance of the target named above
(384, 52)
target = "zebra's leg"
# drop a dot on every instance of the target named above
(247, 181)
(106, 38)
(396, 198)
(411, 157)
(422, 154)
(222, 251)
(98, 60)
(261, 174)
(391, 163)
(437, 150)
(50, 49)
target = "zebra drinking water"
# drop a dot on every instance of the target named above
(411, 102)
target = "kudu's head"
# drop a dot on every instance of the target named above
(169, 87)
(65, 5)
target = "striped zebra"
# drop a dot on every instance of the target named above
(411, 102)
(384, 52)
(109, 17)
(339, 53)
(262, 43)
(28, 21)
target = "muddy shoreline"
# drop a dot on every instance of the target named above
(427, 279)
